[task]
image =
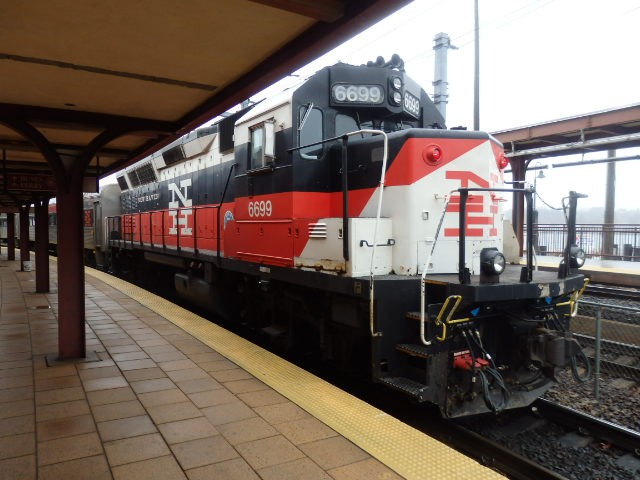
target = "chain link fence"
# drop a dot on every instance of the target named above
(610, 336)
(609, 333)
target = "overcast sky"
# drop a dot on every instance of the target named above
(540, 60)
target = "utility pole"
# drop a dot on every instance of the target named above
(442, 44)
(476, 73)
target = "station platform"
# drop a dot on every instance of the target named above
(165, 394)
(615, 272)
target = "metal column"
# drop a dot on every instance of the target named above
(71, 316)
(11, 236)
(25, 256)
(42, 245)
(518, 171)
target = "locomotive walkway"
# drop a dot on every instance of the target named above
(154, 400)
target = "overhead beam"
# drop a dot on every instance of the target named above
(595, 145)
(33, 114)
(105, 71)
(318, 39)
(325, 11)
(23, 146)
(625, 115)
(294, 55)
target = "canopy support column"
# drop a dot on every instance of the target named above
(69, 177)
(25, 256)
(11, 236)
(71, 316)
(42, 244)
(519, 171)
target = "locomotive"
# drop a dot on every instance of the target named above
(342, 218)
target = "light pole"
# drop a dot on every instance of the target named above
(476, 69)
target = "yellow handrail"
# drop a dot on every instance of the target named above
(448, 320)
(573, 301)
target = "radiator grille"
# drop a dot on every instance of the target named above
(317, 230)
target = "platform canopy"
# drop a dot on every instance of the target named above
(609, 129)
(104, 83)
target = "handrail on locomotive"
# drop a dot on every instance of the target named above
(572, 253)
(345, 208)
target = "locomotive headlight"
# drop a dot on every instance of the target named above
(396, 97)
(397, 83)
(492, 262)
(578, 257)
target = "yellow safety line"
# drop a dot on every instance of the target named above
(402, 448)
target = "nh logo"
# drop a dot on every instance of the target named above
(183, 219)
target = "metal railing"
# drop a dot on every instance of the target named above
(605, 241)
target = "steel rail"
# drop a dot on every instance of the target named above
(493, 455)
(618, 435)
(613, 292)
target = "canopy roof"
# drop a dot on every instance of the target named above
(125, 78)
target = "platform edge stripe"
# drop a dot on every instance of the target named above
(402, 448)
(596, 268)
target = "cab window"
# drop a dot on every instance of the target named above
(310, 130)
(262, 145)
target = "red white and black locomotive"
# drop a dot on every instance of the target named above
(341, 217)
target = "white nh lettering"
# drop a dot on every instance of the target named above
(183, 219)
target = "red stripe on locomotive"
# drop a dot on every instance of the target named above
(409, 166)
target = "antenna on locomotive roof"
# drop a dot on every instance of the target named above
(395, 62)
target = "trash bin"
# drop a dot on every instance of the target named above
(636, 254)
(627, 251)
(26, 266)
(542, 250)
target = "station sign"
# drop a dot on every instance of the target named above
(34, 183)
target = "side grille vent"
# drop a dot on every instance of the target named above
(317, 230)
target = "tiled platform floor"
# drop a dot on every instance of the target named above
(154, 403)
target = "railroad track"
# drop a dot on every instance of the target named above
(492, 454)
(621, 437)
(611, 291)
(456, 434)
(556, 436)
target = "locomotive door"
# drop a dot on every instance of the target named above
(263, 208)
